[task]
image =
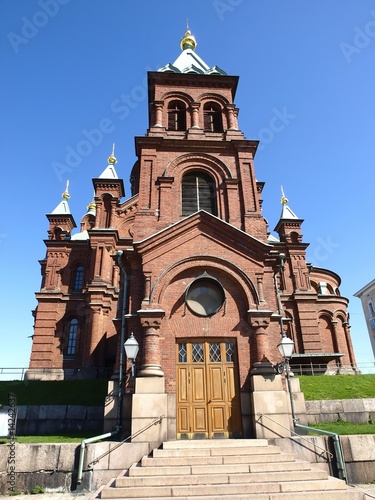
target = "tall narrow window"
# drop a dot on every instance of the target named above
(176, 115)
(213, 121)
(71, 347)
(198, 193)
(371, 308)
(107, 204)
(78, 279)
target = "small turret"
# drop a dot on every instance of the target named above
(289, 225)
(60, 219)
(108, 190)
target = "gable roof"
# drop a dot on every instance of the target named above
(209, 226)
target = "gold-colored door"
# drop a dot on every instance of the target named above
(208, 402)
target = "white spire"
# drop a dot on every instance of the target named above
(286, 212)
(110, 171)
(63, 207)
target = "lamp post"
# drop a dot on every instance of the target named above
(286, 348)
(131, 350)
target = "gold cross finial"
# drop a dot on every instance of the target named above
(112, 158)
(284, 199)
(66, 194)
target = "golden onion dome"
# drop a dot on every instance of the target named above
(188, 41)
(91, 205)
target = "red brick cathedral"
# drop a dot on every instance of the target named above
(188, 265)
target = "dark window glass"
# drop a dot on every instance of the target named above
(213, 121)
(72, 338)
(182, 353)
(229, 351)
(197, 353)
(176, 115)
(198, 193)
(78, 278)
(215, 354)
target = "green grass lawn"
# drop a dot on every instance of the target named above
(69, 438)
(337, 387)
(340, 387)
(64, 392)
(345, 428)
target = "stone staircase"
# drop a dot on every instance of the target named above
(225, 469)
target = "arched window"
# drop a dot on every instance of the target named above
(79, 274)
(71, 348)
(371, 309)
(326, 334)
(176, 115)
(57, 233)
(213, 121)
(198, 193)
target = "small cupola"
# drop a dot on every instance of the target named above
(61, 221)
(289, 225)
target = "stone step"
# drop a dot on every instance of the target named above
(126, 481)
(247, 459)
(216, 451)
(310, 495)
(230, 469)
(137, 471)
(265, 459)
(272, 490)
(213, 443)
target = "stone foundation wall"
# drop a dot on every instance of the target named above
(356, 411)
(53, 419)
(359, 454)
(55, 466)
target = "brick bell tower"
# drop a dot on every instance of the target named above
(188, 266)
(215, 297)
(208, 314)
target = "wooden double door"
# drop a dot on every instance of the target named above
(208, 396)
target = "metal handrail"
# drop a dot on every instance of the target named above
(104, 436)
(154, 422)
(316, 369)
(340, 462)
(18, 373)
(295, 433)
(337, 446)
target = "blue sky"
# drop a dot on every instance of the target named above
(73, 82)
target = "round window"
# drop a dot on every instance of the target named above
(204, 296)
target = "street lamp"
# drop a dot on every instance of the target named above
(131, 350)
(286, 349)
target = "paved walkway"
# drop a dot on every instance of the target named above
(368, 488)
(54, 496)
